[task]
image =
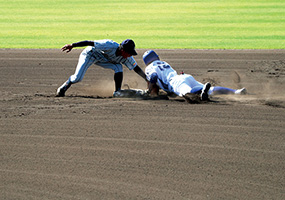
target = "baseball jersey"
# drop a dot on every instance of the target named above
(164, 73)
(105, 51)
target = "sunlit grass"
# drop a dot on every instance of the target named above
(152, 24)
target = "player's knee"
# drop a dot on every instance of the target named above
(196, 89)
(75, 79)
(117, 70)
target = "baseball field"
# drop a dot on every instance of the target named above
(89, 145)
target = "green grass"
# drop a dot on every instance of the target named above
(208, 24)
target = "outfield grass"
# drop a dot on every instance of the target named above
(208, 24)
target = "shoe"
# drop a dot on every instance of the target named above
(140, 92)
(117, 94)
(60, 92)
(62, 89)
(204, 94)
(241, 91)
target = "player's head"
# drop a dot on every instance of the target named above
(128, 46)
(150, 56)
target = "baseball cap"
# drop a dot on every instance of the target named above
(129, 46)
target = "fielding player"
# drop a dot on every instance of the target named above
(161, 74)
(106, 54)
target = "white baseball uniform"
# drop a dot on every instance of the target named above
(168, 80)
(103, 53)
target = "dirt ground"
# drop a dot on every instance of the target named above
(89, 145)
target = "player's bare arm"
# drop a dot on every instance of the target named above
(153, 89)
(69, 47)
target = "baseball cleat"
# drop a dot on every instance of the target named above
(241, 91)
(62, 89)
(60, 92)
(204, 94)
(118, 94)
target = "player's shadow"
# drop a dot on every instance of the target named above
(87, 96)
(155, 98)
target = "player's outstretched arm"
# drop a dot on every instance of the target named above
(69, 47)
(153, 89)
(140, 72)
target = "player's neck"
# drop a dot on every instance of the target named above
(118, 52)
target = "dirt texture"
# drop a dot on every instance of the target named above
(89, 145)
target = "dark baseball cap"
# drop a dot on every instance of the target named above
(129, 46)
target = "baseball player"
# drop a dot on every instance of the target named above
(160, 73)
(104, 53)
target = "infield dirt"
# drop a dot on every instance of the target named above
(89, 145)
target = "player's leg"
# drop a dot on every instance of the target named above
(190, 87)
(118, 76)
(84, 62)
(181, 85)
(178, 86)
(217, 90)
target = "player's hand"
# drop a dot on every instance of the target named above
(67, 48)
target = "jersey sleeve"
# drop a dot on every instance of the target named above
(105, 44)
(153, 77)
(130, 63)
(149, 70)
